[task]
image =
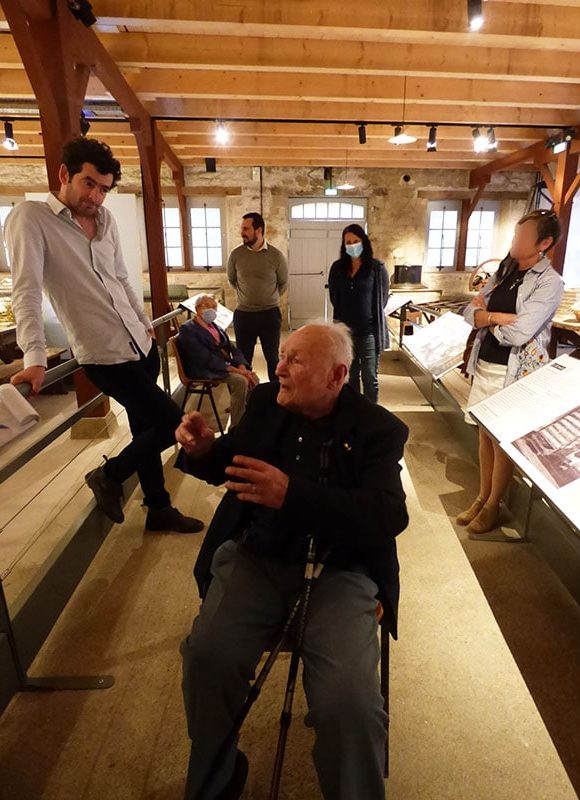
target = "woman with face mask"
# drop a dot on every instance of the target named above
(358, 285)
(512, 315)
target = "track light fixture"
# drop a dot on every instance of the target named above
(432, 140)
(475, 15)
(400, 137)
(560, 142)
(480, 142)
(84, 124)
(9, 142)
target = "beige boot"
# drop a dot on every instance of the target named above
(466, 516)
(485, 521)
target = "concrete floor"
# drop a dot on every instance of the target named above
(484, 692)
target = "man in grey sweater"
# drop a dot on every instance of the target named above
(259, 274)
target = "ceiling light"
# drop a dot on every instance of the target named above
(329, 188)
(400, 137)
(9, 142)
(480, 142)
(475, 15)
(222, 135)
(432, 140)
(346, 186)
(85, 125)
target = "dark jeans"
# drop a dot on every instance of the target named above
(153, 418)
(249, 325)
(365, 364)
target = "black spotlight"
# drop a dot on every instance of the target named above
(85, 124)
(362, 133)
(475, 14)
(83, 11)
(432, 140)
(210, 165)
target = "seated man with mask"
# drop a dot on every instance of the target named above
(207, 352)
(310, 457)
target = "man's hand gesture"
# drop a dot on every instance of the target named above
(263, 484)
(194, 435)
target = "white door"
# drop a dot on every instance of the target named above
(311, 252)
(314, 243)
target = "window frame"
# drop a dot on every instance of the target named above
(483, 205)
(171, 203)
(441, 205)
(208, 202)
(359, 202)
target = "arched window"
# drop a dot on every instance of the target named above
(327, 210)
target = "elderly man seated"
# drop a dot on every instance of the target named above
(310, 456)
(207, 352)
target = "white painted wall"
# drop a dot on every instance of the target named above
(124, 209)
(572, 261)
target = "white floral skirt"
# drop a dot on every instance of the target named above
(489, 378)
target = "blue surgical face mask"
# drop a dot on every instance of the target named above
(354, 250)
(208, 315)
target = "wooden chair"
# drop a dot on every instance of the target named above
(203, 387)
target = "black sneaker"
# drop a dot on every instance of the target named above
(108, 493)
(171, 520)
(235, 788)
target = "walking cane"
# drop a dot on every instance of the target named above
(312, 572)
(286, 715)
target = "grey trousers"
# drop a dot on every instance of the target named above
(245, 608)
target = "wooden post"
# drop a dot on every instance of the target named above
(151, 153)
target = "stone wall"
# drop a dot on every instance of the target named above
(397, 216)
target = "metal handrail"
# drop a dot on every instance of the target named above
(62, 371)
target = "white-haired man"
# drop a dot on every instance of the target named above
(310, 456)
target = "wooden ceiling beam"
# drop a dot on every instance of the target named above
(255, 155)
(137, 49)
(256, 54)
(355, 112)
(151, 83)
(441, 16)
(184, 141)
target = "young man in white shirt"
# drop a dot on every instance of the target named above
(69, 246)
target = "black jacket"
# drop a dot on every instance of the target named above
(380, 296)
(359, 511)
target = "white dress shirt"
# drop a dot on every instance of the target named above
(85, 280)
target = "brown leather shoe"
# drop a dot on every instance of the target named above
(485, 521)
(471, 513)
